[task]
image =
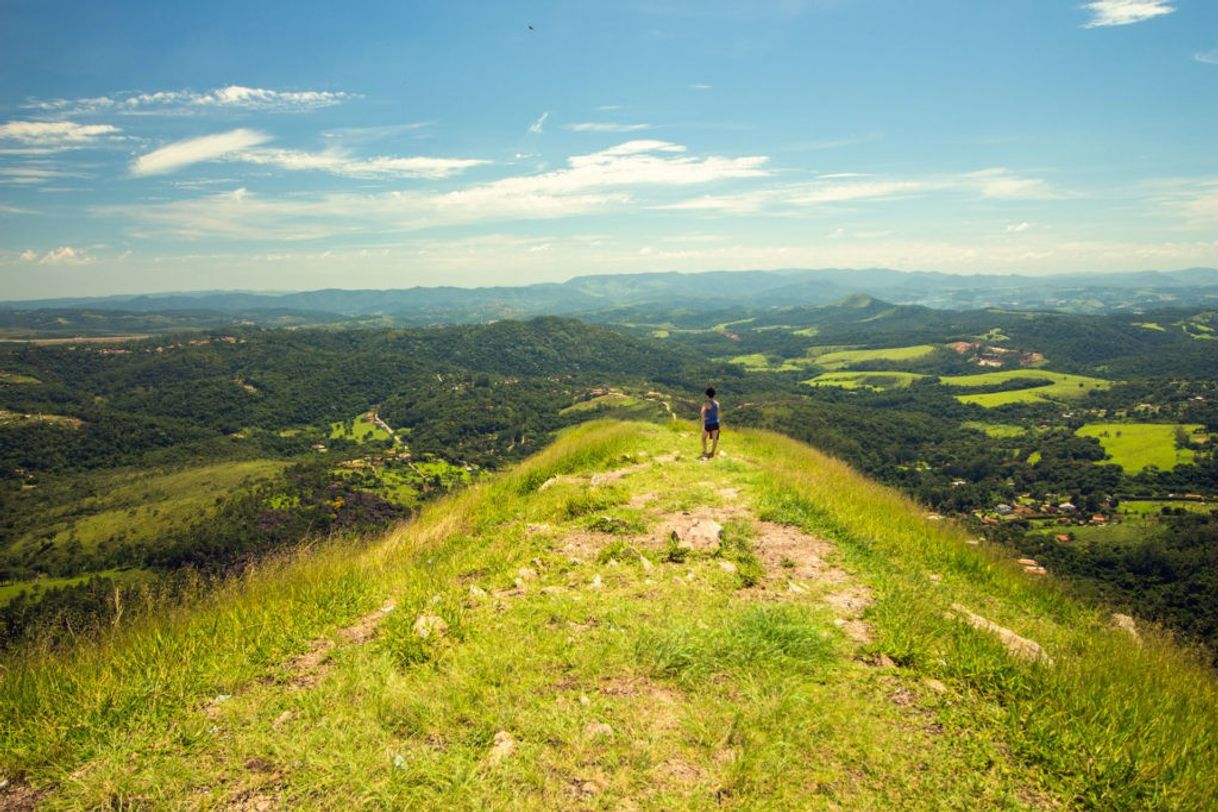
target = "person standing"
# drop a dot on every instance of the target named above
(710, 423)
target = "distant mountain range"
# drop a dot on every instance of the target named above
(705, 291)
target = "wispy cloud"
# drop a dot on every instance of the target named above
(850, 187)
(1124, 12)
(33, 174)
(52, 136)
(7, 209)
(337, 162)
(237, 97)
(588, 183)
(537, 126)
(1018, 228)
(179, 101)
(1209, 57)
(700, 86)
(605, 127)
(179, 154)
(63, 255)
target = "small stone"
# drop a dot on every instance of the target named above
(281, 720)
(934, 577)
(972, 542)
(647, 565)
(503, 747)
(527, 573)
(388, 607)
(428, 626)
(796, 588)
(477, 592)
(613, 562)
(596, 582)
(399, 761)
(882, 660)
(221, 698)
(519, 582)
(584, 700)
(935, 685)
(597, 730)
(689, 576)
(727, 566)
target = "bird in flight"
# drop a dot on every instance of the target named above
(531, 28)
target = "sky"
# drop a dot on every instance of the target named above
(149, 147)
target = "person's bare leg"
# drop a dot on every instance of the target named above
(715, 444)
(704, 433)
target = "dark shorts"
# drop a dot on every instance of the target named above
(711, 427)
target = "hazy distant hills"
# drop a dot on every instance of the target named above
(705, 291)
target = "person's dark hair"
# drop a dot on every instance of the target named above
(710, 391)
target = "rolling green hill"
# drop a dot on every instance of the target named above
(617, 624)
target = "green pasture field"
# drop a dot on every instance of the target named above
(1152, 507)
(1134, 446)
(877, 381)
(10, 591)
(1061, 386)
(139, 505)
(841, 359)
(757, 362)
(17, 378)
(611, 400)
(995, 429)
(361, 429)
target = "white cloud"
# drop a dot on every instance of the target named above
(1208, 57)
(173, 157)
(588, 183)
(236, 97)
(1124, 12)
(536, 127)
(851, 187)
(55, 135)
(63, 255)
(32, 174)
(605, 127)
(7, 209)
(1018, 228)
(340, 163)
(700, 86)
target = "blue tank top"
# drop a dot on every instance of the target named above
(712, 413)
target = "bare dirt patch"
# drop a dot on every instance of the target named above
(19, 797)
(788, 552)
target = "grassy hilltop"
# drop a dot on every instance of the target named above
(615, 624)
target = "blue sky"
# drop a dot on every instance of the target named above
(266, 146)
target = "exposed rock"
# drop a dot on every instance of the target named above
(549, 483)
(1126, 624)
(477, 593)
(1035, 570)
(1027, 562)
(596, 583)
(647, 565)
(428, 626)
(798, 589)
(281, 720)
(1018, 646)
(503, 746)
(526, 573)
(728, 566)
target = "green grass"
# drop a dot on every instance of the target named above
(995, 429)
(657, 685)
(12, 590)
(878, 381)
(1150, 325)
(17, 379)
(361, 429)
(611, 400)
(1061, 386)
(1135, 446)
(841, 359)
(757, 362)
(142, 505)
(1147, 507)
